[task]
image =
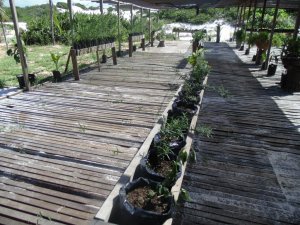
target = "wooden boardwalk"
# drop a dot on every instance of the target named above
(64, 146)
(249, 171)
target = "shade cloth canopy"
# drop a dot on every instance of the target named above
(159, 4)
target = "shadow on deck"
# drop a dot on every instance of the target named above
(249, 171)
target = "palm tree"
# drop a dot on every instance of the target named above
(3, 17)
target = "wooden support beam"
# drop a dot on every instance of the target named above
(71, 20)
(263, 14)
(237, 19)
(272, 33)
(114, 55)
(101, 7)
(297, 25)
(131, 16)
(253, 20)
(130, 44)
(150, 28)
(142, 28)
(119, 32)
(51, 21)
(20, 45)
(240, 16)
(75, 65)
(143, 44)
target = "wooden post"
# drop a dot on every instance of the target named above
(249, 13)
(68, 60)
(51, 21)
(75, 65)
(71, 19)
(20, 45)
(253, 20)
(98, 59)
(263, 14)
(119, 32)
(236, 24)
(130, 44)
(244, 15)
(101, 7)
(131, 16)
(150, 41)
(142, 20)
(143, 44)
(297, 25)
(114, 55)
(272, 33)
(240, 17)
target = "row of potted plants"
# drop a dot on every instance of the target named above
(87, 43)
(148, 198)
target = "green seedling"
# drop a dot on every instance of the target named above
(204, 130)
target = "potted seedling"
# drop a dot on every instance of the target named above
(290, 81)
(161, 37)
(273, 65)
(262, 42)
(160, 165)
(146, 202)
(55, 59)
(14, 52)
(240, 36)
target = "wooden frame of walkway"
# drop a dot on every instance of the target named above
(64, 146)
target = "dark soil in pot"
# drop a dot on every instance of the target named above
(272, 69)
(21, 80)
(134, 48)
(183, 107)
(104, 58)
(161, 44)
(139, 207)
(56, 75)
(176, 144)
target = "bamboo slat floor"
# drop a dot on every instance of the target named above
(65, 145)
(248, 172)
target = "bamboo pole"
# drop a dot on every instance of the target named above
(272, 33)
(19, 43)
(51, 21)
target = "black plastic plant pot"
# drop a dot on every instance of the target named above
(149, 173)
(254, 58)
(181, 107)
(134, 48)
(175, 145)
(161, 44)
(241, 48)
(272, 69)
(139, 216)
(21, 80)
(104, 58)
(247, 52)
(56, 75)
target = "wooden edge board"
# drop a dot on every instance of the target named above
(189, 141)
(10, 95)
(106, 209)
